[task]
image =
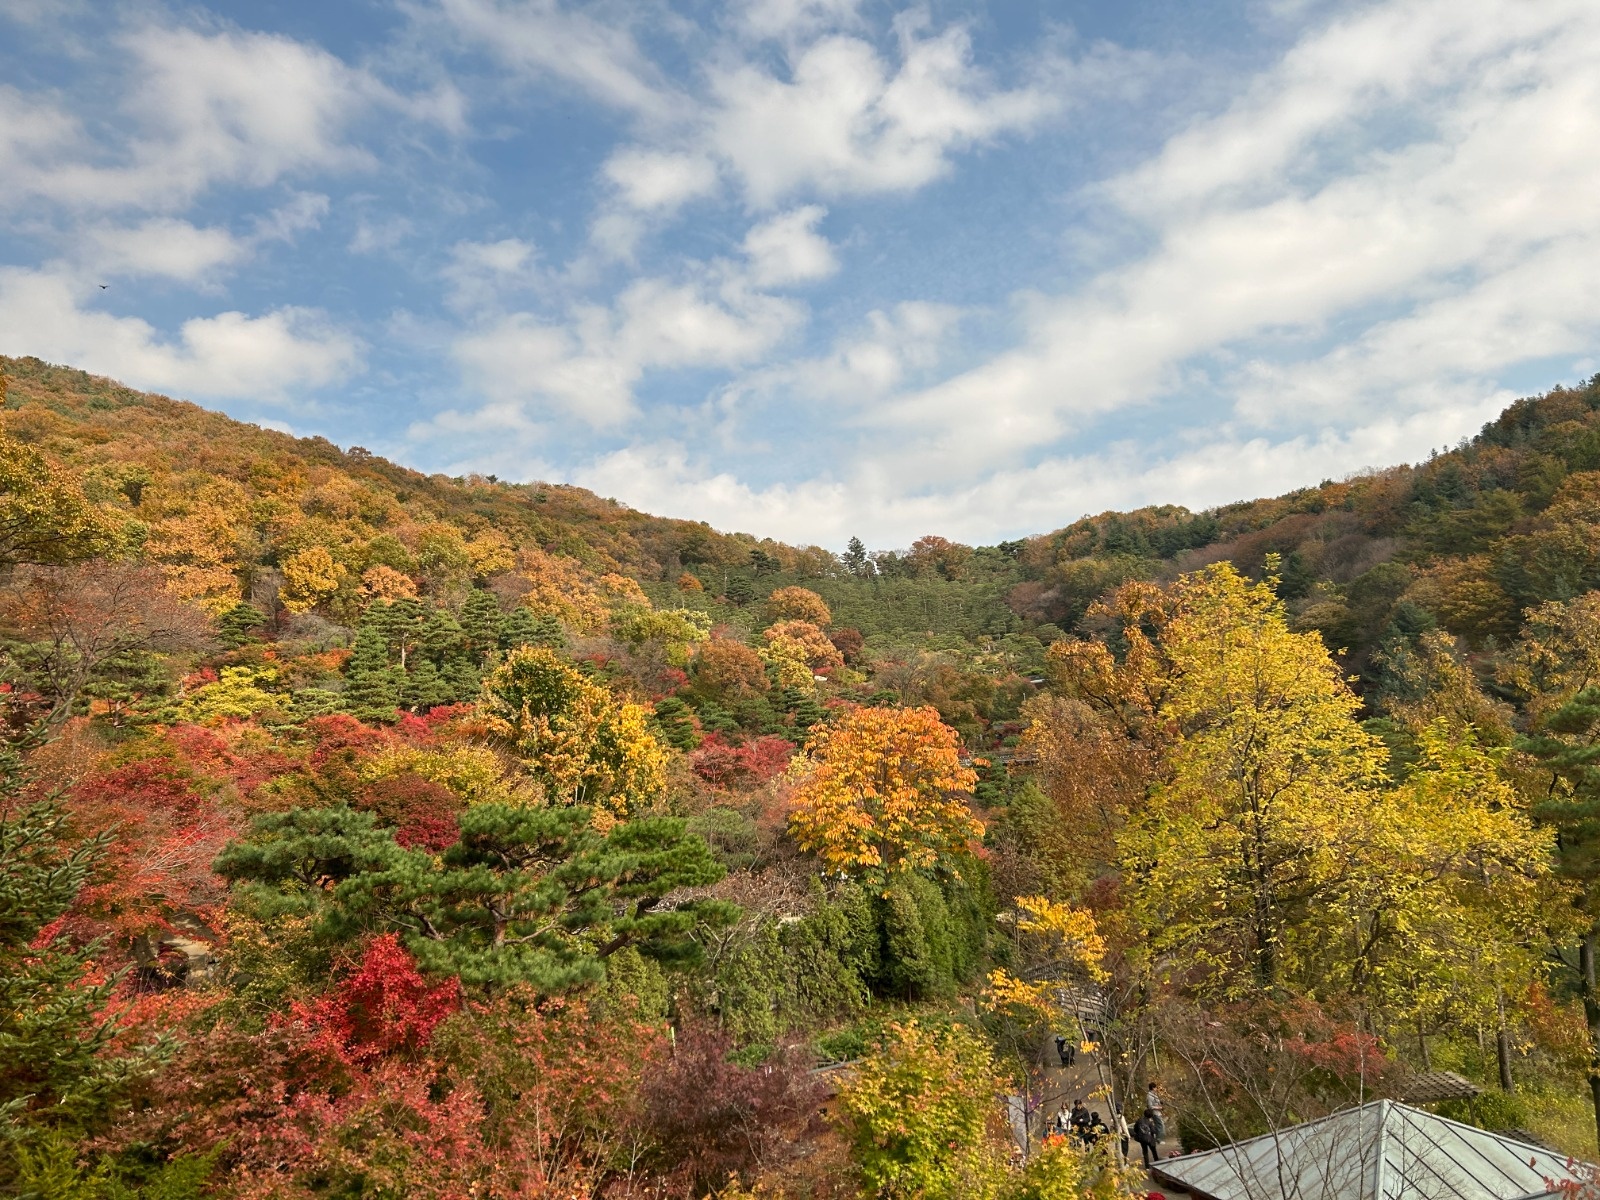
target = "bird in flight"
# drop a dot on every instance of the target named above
(104, 286)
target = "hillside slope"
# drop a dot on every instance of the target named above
(1467, 541)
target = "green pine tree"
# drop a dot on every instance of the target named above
(401, 624)
(372, 687)
(462, 680)
(1569, 747)
(481, 622)
(240, 624)
(524, 628)
(440, 636)
(61, 1073)
(425, 687)
(676, 722)
(528, 895)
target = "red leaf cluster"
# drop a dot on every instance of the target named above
(384, 1008)
(422, 813)
(756, 762)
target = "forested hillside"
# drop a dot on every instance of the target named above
(366, 833)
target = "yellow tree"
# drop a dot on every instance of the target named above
(201, 524)
(384, 583)
(882, 791)
(798, 604)
(44, 517)
(573, 736)
(1054, 943)
(310, 576)
(1444, 905)
(556, 587)
(1268, 776)
(800, 650)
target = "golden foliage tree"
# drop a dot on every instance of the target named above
(881, 791)
(1055, 943)
(798, 604)
(724, 667)
(1442, 905)
(573, 736)
(557, 588)
(384, 583)
(800, 650)
(1269, 777)
(310, 577)
(201, 526)
(44, 517)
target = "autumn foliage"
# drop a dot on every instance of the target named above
(375, 834)
(883, 791)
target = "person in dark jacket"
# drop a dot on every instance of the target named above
(1080, 1120)
(1144, 1132)
(1066, 1050)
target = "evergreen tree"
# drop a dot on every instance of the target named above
(1569, 747)
(525, 628)
(676, 723)
(462, 680)
(425, 687)
(528, 895)
(373, 688)
(716, 719)
(481, 623)
(440, 637)
(803, 706)
(401, 624)
(855, 559)
(240, 624)
(60, 1071)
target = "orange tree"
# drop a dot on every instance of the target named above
(881, 791)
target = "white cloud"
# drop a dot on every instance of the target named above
(845, 121)
(1254, 245)
(583, 49)
(304, 212)
(229, 355)
(374, 235)
(787, 18)
(204, 109)
(863, 367)
(654, 179)
(587, 366)
(788, 249)
(481, 274)
(162, 246)
(868, 502)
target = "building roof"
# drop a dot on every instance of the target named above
(1379, 1151)
(1430, 1087)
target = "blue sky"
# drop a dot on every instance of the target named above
(814, 268)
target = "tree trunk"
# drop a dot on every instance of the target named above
(1591, 1015)
(1502, 1041)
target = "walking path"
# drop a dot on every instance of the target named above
(1087, 1079)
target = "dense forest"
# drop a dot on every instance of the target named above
(366, 833)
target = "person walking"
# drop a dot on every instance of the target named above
(1066, 1050)
(1152, 1108)
(1144, 1132)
